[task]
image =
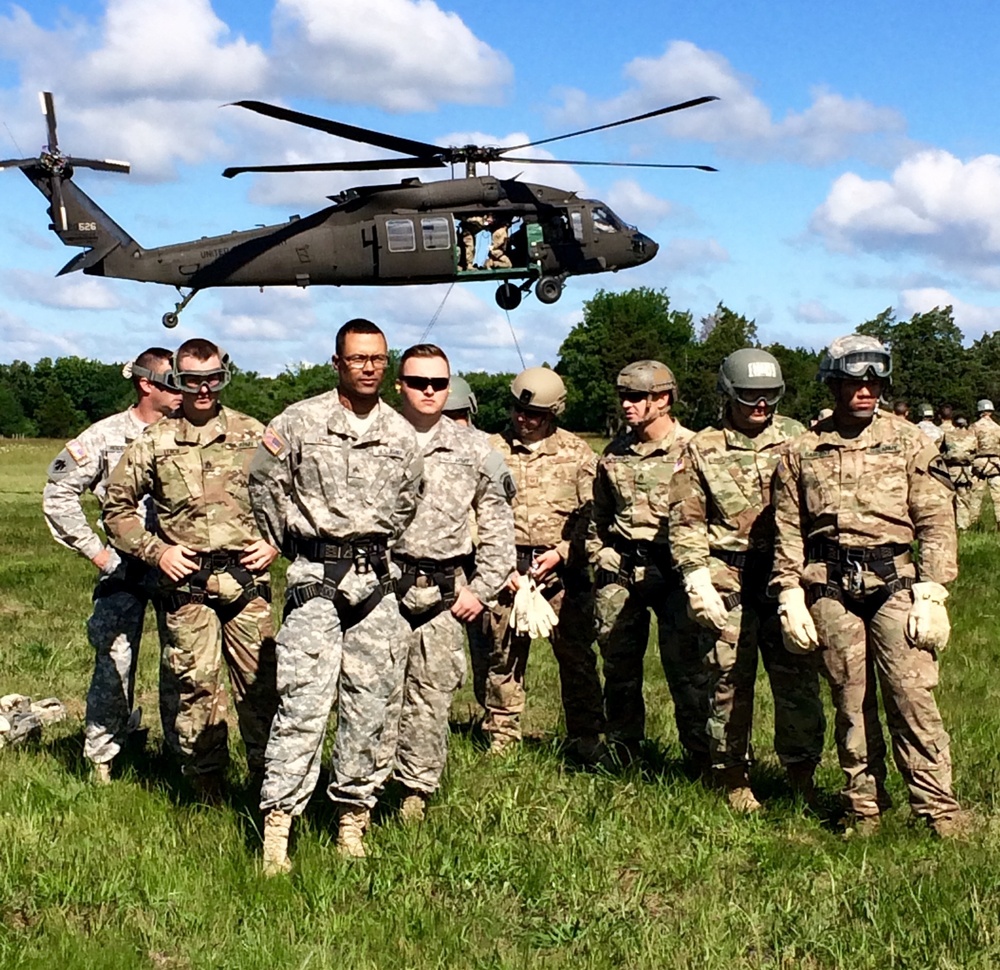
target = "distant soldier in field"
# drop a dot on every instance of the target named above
(463, 475)
(554, 473)
(217, 604)
(946, 413)
(629, 546)
(721, 537)
(125, 583)
(986, 466)
(850, 498)
(958, 447)
(926, 423)
(334, 484)
(902, 410)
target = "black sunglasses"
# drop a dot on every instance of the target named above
(422, 383)
(633, 397)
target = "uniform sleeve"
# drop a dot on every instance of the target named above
(688, 515)
(409, 494)
(601, 513)
(123, 514)
(931, 510)
(75, 470)
(573, 546)
(495, 554)
(269, 482)
(789, 538)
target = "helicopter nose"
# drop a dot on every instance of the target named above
(643, 247)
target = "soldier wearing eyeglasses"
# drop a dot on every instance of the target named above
(216, 601)
(125, 583)
(334, 483)
(628, 543)
(463, 476)
(722, 540)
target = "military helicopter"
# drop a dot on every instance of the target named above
(407, 233)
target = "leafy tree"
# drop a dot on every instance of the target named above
(493, 398)
(13, 420)
(56, 417)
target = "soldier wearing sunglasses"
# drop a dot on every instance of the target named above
(125, 583)
(216, 601)
(722, 540)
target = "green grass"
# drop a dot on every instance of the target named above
(523, 863)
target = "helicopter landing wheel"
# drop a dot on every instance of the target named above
(548, 289)
(170, 320)
(508, 296)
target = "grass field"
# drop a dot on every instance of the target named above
(525, 863)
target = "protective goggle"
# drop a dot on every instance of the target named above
(192, 381)
(415, 383)
(752, 396)
(632, 397)
(160, 379)
(863, 363)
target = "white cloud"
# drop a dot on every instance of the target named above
(18, 341)
(814, 312)
(634, 204)
(696, 257)
(76, 292)
(973, 320)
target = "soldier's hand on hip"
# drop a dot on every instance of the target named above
(178, 562)
(466, 606)
(258, 555)
(543, 564)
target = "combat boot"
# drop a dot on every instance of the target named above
(209, 787)
(735, 783)
(861, 826)
(959, 825)
(414, 808)
(100, 773)
(277, 825)
(800, 777)
(350, 834)
(502, 745)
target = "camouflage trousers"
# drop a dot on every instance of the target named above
(799, 723)
(862, 641)
(435, 670)
(479, 656)
(115, 632)
(320, 665)
(573, 645)
(193, 702)
(622, 635)
(980, 486)
(968, 502)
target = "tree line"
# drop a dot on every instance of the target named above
(57, 399)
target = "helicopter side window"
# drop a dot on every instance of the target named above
(400, 235)
(576, 218)
(602, 220)
(436, 234)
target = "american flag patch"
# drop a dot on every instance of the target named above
(679, 465)
(273, 442)
(76, 450)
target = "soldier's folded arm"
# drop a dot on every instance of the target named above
(602, 512)
(69, 478)
(930, 503)
(495, 553)
(122, 515)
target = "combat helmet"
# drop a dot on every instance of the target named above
(854, 357)
(539, 389)
(461, 397)
(648, 376)
(926, 411)
(984, 404)
(750, 374)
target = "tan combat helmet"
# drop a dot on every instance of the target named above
(539, 389)
(926, 412)
(649, 376)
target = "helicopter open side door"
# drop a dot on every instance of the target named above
(414, 246)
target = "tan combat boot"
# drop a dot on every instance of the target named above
(414, 808)
(959, 825)
(502, 745)
(350, 835)
(735, 783)
(101, 773)
(277, 825)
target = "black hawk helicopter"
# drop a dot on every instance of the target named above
(407, 233)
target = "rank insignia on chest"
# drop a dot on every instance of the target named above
(273, 442)
(76, 451)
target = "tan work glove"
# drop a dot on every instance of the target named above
(797, 628)
(520, 614)
(705, 605)
(927, 624)
(543, 617)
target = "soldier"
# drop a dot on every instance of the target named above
(958, 447)
(946, 415)
(986, 465)
(125, 584)
(850, 498)
(463, 474)
(193, 465)
(461, 405)
(721, 537)
(628, 545)
(926, 423)
(554, 473)
(334, 482)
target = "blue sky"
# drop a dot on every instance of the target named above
(858, 146)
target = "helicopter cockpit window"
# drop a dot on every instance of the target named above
(435, 233)
(604, 221)
(400, 235)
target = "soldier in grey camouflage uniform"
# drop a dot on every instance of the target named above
(216, 605)
(125, 584)
(554, 473)
(628, 544)
(850, 498)
(334, 483)
(463, 474)
(721, 537)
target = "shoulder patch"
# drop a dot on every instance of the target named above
(76, 451)
(273, 442)
(679, 465)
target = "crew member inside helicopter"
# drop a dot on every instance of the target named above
(499, 226)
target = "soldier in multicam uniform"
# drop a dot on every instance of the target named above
(850, 498)
(125, 584)
(463, 474)
(194, 465)
(334, 483)
(721, 537)
(927, 425)
(628, 544)
(554, 473)
(958, 447)
(986, 465)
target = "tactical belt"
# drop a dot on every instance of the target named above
(738, 561)
(845, 565)
(635, 554)
(195, 589)
(427, 573)
(365, 553)
(132, 581)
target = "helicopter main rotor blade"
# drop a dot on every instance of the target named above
(365, 165)
(100, 164)
(18, 163)
(614, 124)
(566, 161)
(49, 110)
(377, 138)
